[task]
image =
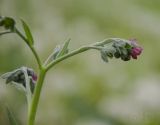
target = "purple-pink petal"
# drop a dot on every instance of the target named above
(133, 42)
(136, 49)
(34, 77)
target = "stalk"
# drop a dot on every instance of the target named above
(36, 96)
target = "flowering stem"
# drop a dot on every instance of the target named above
(32, 107)
(80, 50)
(35, 99)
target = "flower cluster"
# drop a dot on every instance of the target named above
(120, 48)
(18, 76)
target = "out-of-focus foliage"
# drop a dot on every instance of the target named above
(84, 90)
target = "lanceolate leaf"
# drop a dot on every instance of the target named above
(53, 55)
(28, 33)
(64, 49)
(58, 52)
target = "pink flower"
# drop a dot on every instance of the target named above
(136, 50)
(34, 77)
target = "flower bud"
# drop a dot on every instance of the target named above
(18, 76)
(32, 74)
(7, 22)
(117, 55)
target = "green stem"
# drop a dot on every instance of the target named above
(32, 107)
(31, 47)
(97, 46)
(80, 50)
(36, 96)
(6, 32)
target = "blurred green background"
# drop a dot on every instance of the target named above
(84, 90)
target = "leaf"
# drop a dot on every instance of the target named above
(104, 56)
(64, 49)
(27, 81)
(19, 86)
(6, 75)
(11, 76)
(55, 53)
(28, 33)
(12, 120)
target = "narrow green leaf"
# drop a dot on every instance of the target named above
(12, 120)
(53, 55)
(58, 51)
(28, 33)
(64, 49)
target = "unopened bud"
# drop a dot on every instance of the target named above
(7, 22)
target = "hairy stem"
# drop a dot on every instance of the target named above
(96, 46)
(36, 96)
(80, 50)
